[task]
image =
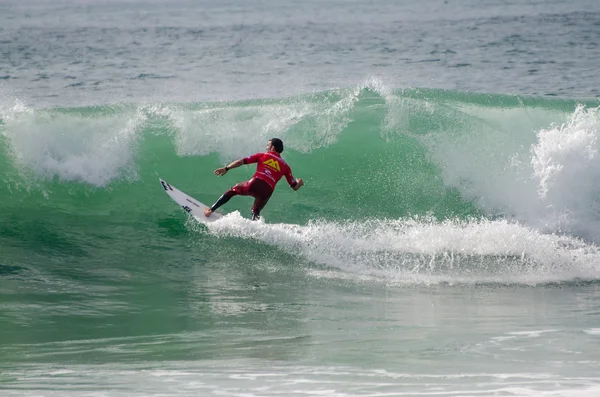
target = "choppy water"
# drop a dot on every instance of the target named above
(445, 243)
(97, 52)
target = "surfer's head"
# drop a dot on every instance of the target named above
(277, 144)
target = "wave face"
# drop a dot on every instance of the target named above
(414, 185)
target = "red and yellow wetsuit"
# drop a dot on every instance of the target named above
(270, 168)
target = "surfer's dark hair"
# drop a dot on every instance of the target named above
(277, 144)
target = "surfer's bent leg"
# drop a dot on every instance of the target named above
(261, 191)
(259, 204)
(240, 188)
(222, 200)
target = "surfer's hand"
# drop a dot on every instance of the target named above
(220, 171)
(299, 183)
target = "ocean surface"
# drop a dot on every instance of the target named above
(446, 242)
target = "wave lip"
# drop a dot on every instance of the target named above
(75, 145)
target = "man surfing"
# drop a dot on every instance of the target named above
(270, 168)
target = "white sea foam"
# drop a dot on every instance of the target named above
(231, 130)
(424, 250)
(261, 379)
(522, 164)
(566, 166)
(72, 146)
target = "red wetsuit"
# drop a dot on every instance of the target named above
(270, 169)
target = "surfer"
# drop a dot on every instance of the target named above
(269, 170)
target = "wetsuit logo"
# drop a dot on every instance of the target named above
(273, 164)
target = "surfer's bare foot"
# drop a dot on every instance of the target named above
(207, 212)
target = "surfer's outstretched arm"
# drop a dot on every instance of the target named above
(233, 164)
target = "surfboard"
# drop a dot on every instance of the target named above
(189, 204)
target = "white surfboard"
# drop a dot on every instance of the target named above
(189, 204)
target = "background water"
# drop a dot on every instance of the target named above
(445, 243)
